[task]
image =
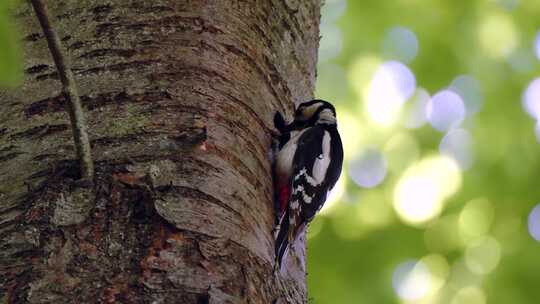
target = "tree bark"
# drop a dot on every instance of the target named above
(179, 98)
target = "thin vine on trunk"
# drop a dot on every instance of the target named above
(69, 90)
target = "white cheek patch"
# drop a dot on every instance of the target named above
(326, 117)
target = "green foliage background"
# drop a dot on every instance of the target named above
(355, 246)
(10, 55)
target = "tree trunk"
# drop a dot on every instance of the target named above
(179, 98)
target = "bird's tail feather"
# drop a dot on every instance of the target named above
(282, 239)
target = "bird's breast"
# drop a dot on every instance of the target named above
(285, 156)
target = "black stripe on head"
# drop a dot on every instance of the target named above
(311, 102)
(308, 113)
(326, 105)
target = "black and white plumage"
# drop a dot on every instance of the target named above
(307, 167)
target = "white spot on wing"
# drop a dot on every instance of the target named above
(302, 172)
(300, 189)
(321, 164)
(313, 182)
(306, 198)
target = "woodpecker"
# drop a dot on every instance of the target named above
(307, 166)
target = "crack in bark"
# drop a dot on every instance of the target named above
(124, 53)
(36, 69)
(191, 192)
(9, 156)
(57, 104)
(41, 131)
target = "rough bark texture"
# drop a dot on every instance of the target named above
(179, 98)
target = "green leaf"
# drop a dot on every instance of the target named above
(10, 50)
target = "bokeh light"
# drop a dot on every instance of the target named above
(392, 85)
(412, 280)
(475, 219)
(423, 188)
(497, 35)
(354, 131)
(483, 255)
(531, 99)
(415, 111)
(457, 144)
(401, 44)
(534, 223)
(537, 45)
(469, 295)
(369, 169)
(470, 91)
(446, 110)
(439, 270)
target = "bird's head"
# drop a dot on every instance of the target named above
(315, 112)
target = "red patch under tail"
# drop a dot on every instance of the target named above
(284, 195)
